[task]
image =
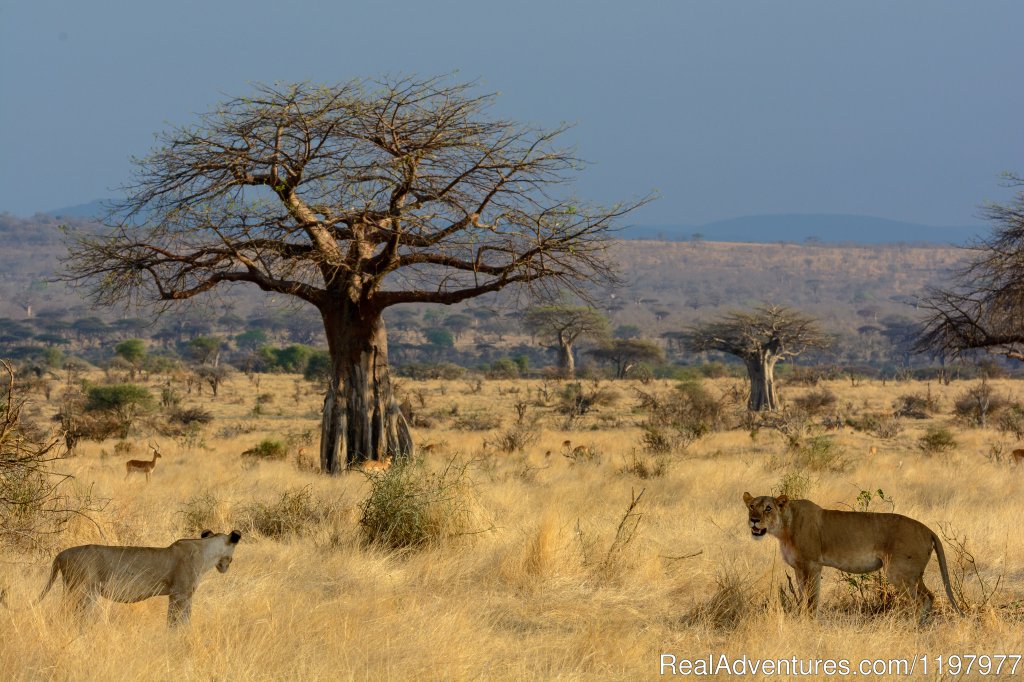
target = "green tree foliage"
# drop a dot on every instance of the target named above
(205, 349)
(124, 401)
(439, 337)
(626, 354)
(132, 350)
(318, 367)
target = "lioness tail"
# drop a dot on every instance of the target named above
(53, 576)
(937, 544)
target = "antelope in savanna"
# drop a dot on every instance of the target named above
(142, 466)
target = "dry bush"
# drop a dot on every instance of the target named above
(625, 532)
(409, 506)
(887, 427)
(574, 400)
(963, 569)
(33, 501)
(235, 430)
(644, 467)
(187, 416)
(477, 421)
(916, 406)
(793, 485)
(974, 406)
(296, 513)
(731, 603)
(1011, 421)
(199, 512)
(517, 437)
(816, 402)
(820, 453)
(681, 417)
(880, 425)
(793, 424)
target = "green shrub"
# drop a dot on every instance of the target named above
(318, 367)
(122, 403)
(268, 448)
(410, 507)
(936, 439)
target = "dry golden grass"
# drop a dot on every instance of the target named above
(545, 590)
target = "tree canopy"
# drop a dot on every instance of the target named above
(301, 188)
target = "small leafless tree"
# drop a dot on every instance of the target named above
(761, 338)
(32, 501)
(351, 198)
(984, 307)
(565, 325)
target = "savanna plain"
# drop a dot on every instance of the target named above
(551, 544)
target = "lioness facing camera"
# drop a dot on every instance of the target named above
(131, 574)
(856, 542)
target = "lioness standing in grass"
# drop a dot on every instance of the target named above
(131, 574)
(856, 542)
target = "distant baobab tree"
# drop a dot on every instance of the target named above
(761, 338)
(352, 198)
(565, 324)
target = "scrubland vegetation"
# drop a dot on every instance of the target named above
(550, 529)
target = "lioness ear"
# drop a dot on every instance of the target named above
(234, 537)
(206, 534)
(747, 497)
(781, 500)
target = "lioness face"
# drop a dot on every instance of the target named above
(765, 513)
(223, 546)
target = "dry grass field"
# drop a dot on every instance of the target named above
(548, 577)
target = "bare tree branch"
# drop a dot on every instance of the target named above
(984, 307)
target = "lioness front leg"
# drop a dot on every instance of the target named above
(808, 576)
(179, 609)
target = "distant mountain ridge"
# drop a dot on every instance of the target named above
(831, 228)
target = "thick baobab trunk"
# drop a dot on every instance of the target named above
(761, 370)
(361, 419)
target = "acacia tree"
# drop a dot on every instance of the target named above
(984, 307)
(565, 325)
(761, 338)
(626, 354)
(352, 198)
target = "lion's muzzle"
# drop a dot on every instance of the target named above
(755, 531)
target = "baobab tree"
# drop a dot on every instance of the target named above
(565, 324)
(984, 307)
(352, 198)
(761, 338)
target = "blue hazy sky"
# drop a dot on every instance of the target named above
(905, 110)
